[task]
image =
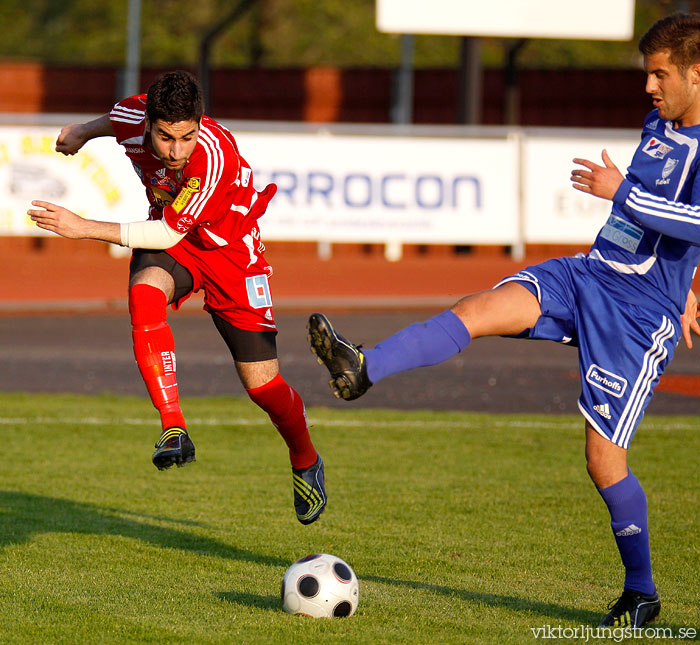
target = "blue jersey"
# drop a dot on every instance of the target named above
(648, 250)
(621, 304)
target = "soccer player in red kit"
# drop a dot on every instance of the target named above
(201, 233)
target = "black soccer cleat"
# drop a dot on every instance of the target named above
(345, 362)
(309, 492)
(174, 446)
(632, 609)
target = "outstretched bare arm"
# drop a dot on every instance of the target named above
(76, 135)
(61, 221)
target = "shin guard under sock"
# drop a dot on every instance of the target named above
(627, 504)
(153, 350)
(418, 345)
(287, 413)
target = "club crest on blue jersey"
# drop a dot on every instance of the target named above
(669, 167)
(655, 148)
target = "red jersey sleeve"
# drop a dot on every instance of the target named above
(128, 118)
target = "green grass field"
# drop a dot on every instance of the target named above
(462, 528)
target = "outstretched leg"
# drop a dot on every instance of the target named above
(507, 310)
(154, 351)
(287, 413)
(269, 391)
(149, 293)
(254, 354)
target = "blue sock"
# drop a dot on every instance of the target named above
(627, 504)
(418, 345)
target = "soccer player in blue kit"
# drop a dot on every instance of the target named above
(624, 305)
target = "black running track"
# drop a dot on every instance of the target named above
(92, 354)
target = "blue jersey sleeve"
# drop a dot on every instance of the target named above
(675, 219)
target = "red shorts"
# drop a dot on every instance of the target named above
(234, 278)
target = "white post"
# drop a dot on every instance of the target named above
(324, 249)
(517, 250)
(393, 250)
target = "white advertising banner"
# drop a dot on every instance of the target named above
(344, 188)
(553, 211)
(98, 182)
(347, 187)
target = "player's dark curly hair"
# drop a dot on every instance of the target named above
(679, 34)
(174, 96)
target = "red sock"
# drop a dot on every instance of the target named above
(287, 413)
(153, 350)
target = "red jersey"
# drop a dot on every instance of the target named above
(211, 198)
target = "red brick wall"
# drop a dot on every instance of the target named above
(578, 98)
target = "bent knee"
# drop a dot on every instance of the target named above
(507, 310)
(606, 462)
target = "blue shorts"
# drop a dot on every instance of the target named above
(623, 348)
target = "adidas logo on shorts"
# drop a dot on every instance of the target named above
(603, 409)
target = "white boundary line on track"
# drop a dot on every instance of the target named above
(335, 423)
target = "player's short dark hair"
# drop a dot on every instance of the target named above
(174, 96)
(679, 34)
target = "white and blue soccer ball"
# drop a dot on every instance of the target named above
(322, 586)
